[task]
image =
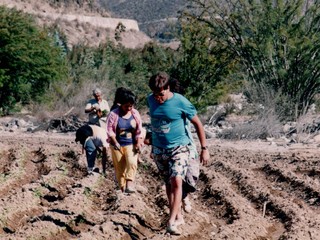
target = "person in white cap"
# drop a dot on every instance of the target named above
(97, 108)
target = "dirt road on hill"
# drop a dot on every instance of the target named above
(250, 190)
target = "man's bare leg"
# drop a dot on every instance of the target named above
(175, 199)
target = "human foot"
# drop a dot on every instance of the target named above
(173, 230)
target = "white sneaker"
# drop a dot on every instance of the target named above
(186, 204)
(92, 172)
(173, 230)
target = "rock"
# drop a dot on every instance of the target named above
(317, 138)
(141, 189)
(21, 123)
(210, 134)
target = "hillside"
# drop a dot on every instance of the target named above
(153, 16)
(85, 23)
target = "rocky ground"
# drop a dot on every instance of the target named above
(250, 190)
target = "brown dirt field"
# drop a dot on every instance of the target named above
(249, 190)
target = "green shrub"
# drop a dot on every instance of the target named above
(276, 43)
(29, 60)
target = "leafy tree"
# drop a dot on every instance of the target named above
(113, 66)
(158, 58)
(29, 61)
(199, 68)
(276, 43)
(133, 67)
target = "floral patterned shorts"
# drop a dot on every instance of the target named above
(171, 162)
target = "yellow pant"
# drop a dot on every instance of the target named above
(125, 164)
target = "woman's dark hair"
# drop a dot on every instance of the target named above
(159, 81)
(122, 96)
(176, 87)
(117, 97)
(127, 96)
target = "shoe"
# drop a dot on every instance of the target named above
(129, 187)
(130, 190)
(179, 222)
(173, 230)
(93, 174)
(186, 204)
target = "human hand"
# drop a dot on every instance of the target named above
(96, 106)
(139, 144)
(99, 113)
(204, 156)
(117, 146)
(148, 138)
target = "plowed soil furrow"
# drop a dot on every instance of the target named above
(237, 212)
(17, 170)
(253, 191)
(15, 215)
(250, 191)
(293, 185)
(62, 207)
(281, 206)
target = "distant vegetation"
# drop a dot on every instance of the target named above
(153, 16)
(268, 50)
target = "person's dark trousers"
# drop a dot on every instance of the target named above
(91, 153)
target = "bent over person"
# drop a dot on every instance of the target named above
(169, 112)
(92, 138)
(97, 108)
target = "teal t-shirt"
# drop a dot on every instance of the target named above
(168, 121)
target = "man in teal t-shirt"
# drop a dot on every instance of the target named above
(169, 112)
(168, 121)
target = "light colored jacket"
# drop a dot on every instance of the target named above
(112, 123)
(93, 117)
(99, 136)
